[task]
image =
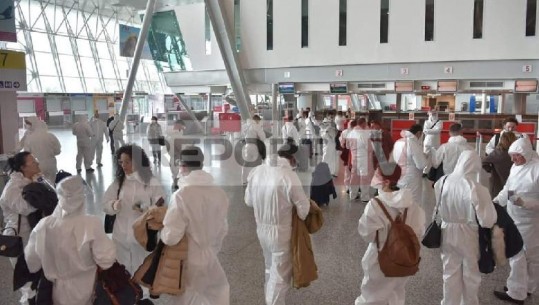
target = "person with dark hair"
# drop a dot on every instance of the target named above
(274, 190)
(464, 205)
(133, 191)
(198, 210)
(24, 169)
(359, 143)
(449, 152)
(254, 150)
(111, 134)
(290, 131)
(322, 187)
(374, 227)
(69, 245)
(498, 163)
(154, 134)
(408, 154)
(345, 155)
(328, 134)
(509, 124)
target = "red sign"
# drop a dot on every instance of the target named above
(425, 87)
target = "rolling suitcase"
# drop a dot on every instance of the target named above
(302, 157)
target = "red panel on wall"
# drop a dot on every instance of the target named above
(229, 122)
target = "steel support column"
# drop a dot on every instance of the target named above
(150, 8)
(190, 112)
(225, 40)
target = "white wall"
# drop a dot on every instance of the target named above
(503, 33)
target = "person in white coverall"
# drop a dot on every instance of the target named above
(449, 152)
(290, 131)
(133, 191)
(329, 155)
(24, 169)
(432, 128)
(117, 129)
(69, 246)
(99, 128)
(521, 196)
(83, 131)
(408, 154)
(43, 145)
(198, 210)
(274, 189)
(360, 145)
(254, 136)
(376, 288)
(461, 199)
(509, 124)
(345, 155)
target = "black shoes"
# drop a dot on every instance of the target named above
(507, 289)
(505, 297)
(90, 170)
(79, 170)
(99, 165)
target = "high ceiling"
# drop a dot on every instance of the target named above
(125, 8)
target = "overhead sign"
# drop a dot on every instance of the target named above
(7, 21)
(338, 88)
(287, 88)
(401, 87)
(526, 86)
(12, 71)
(128, 42)
(447, 86)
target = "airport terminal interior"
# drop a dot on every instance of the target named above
(215, 64)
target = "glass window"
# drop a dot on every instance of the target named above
(207, 32)
(73, 84)
(429, 20)
(84, 48)
(63, 45)
(112, 85)
(93, 85)
(237, 23)
(50, 84)
(478, 19)
(88, 66)
(342, 21)
(103, 50)
(531, 17)
(384, 20)
(269, 24)
(69, 66)
(107, 68)
(123, 66)
(45, 64)
(304, 23)
(41, 42)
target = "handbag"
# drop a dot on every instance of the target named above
(114, 286)
(436, 173)
(110, 219)
(161, 140)
(433, 235)
(11, 245)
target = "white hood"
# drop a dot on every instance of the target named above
(468, 163)
(70, 197)
(276, 161)
(457, 140)
(37, 124)
(524, 147)
(196, 177)
(407, 134)
(397, 199)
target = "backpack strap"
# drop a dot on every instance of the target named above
(384, 209)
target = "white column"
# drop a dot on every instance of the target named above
(148, 15)
(484, 103)
(9, 121)
(501, 101)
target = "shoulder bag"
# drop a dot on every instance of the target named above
(11, 245)
(433, 235)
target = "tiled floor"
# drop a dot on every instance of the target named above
(338, 247)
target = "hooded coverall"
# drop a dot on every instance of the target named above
(274, 189)
(462, 199)
(523, 181)
(69, 245)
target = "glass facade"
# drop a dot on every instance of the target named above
(304, 23)
(478, 19)
(531, 17)
(384, 21)
(72, 51)
(342, 21)
(429, 20)
(237, 23)
(269, 24)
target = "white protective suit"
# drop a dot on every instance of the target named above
(491, 145)
(117, 128)
(329, 151)
(290, 131)
(449, 153)
(339, 122)
(44, 146)
(174, 145)
(524, 182)
(347, 173)
(199, 210)
(432, 130)
(253, 131)
(99, 128)
(273, 190)
(134, 190)
(83, 131)
(409, 156)
(69, 245)
(362, 170)
(376, 288)
(13, 205)
(463, 199)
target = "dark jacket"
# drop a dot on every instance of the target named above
(322, 184)
(42, 197)
(498, 163)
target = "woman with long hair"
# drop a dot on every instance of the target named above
(498, 163)
(24, 169)
(133, 191)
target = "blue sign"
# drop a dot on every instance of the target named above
(472, 104)
(492, 104)
(128, 41)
